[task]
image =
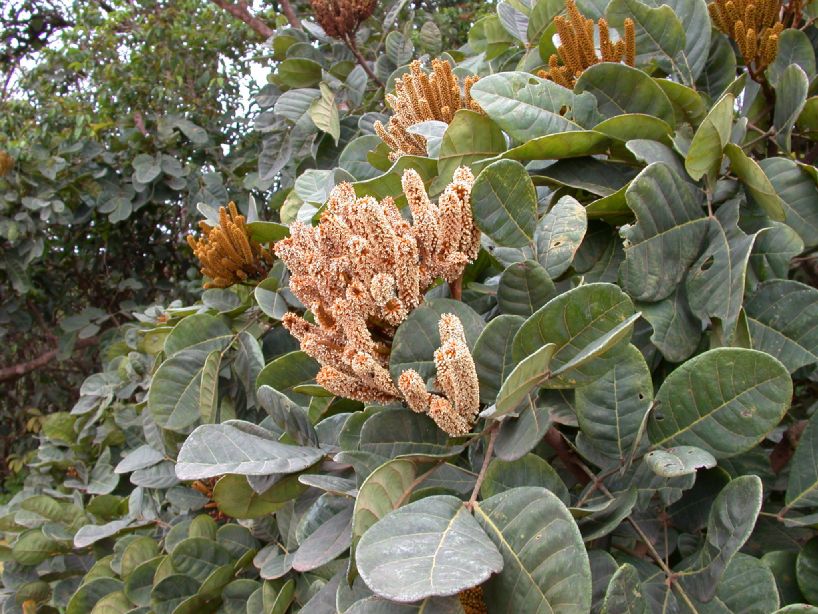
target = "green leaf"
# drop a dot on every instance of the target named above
(659, 35)
(504, 203)
(791, 96)
(299, 72)
(724, 401)
(529, 470)
(488, 35)
(635, 126)
(625, 593)
(139, 583)
(518, 436)
(590, 326)
(326, 543)
(175, 391)
(530, 372)
(542, 15)
(755, 182)
(33, 547)
(209, 387)
(806, 570)
(389, 183)
(288, 371)
(200, 332)
(667, 236)
(89, 594)
(621, 89)
(239, 447)
(559, 234)
(171, 591)
(729, 525)
(267, 232)
(601, 519)
(794, 48)
(524, 288)
(802, 484)
(399, 49)
(706, 149)
(418, 337)
(545, 563)
(392, 433)
(528, 107)
(198, 557)
(716, 281)
(469, 139)
(675, 462)
(559, 146)
(270, 300)
(324, 112)
(432, 547)
(237, 499)
(783, 319)
(676, 331)
(687, 103)
(147, 168)
(493, 360)
(611, 409)
(798, 193)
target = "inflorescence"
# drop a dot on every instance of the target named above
(754, 25)
(342, 18)
(422, 97)
(578, 51)
(227, 253)
(360, 272)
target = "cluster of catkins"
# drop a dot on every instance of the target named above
(342, 18)
(754, 25)
(578, 51)
(360, 272)
(421, 97)
(227, 253)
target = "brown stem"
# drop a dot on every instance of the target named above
(19, 370)
(569, 458)
(456, 288)
(289, 13)
(350, 42)
(492, 432)
(241, 12)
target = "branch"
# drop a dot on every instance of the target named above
(569, 458)
(487, 453)
(240, 11)
(19, 370)
(289, 13)
(350, 42)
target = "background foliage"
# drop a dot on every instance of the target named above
(644, 312)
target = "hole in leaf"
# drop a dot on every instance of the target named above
(556, 244)
(659, 417)
(707, 263)
(641, 397)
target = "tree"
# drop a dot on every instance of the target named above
(524, 327)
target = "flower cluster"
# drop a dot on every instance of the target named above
(363, 268)
(422, 97)
(227, 253)
(578, 51)
(342, 18)
(456, 411)
(753, 24)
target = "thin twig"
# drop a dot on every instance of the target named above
(350, 43)
(492, 432)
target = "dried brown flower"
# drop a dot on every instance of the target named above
(363, 268)
(342, 18)
(472, 601)
(227, 253)
(578, 51)
(455, 411)
(754, 25)
(422, 97)
(6, 163)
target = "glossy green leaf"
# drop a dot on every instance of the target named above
(802, 485)
(532, 371)
(529, 470)
(492, 355)
(625, 593)
(621, 89)
(755, 182)
(524, 288)
(707, 147)
(469, 139)
(559, 234)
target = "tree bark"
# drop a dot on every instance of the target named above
(19, 370)
(240, 11)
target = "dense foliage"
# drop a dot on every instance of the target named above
(639, 316)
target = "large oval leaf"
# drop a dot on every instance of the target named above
(504, 203)
(589, 325)
(621, 89)
(432, 547)
(802, 487)
(546, 566)
(492, 355)
(724, 401)
(239, 447)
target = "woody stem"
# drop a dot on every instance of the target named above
(492, 433)
(350, 42)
